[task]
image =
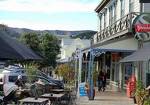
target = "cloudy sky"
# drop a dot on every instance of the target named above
(49, 14)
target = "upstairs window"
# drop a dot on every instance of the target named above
(111, 18)
(131, 5)
(122, 7)
(105, 19)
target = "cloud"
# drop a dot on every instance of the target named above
(47, 26)
(48, 6)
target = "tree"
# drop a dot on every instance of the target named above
(47, 45)
(50, 48)
(67, 72)
(31, 40)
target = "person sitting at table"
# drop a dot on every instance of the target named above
(19, 81)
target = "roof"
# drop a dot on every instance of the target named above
(12, 49)
(102, 4)
(142, 54)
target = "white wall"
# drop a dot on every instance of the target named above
(70, 45)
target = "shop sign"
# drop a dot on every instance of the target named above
(142, 27)
(144, 1)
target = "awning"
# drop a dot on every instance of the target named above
(142, 54)
(99, 51)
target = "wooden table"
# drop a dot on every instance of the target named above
(54, 98)
(33, 101)
(57, 90)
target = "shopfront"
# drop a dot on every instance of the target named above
(141, 58)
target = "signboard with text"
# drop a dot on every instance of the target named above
(82, 90)
(142, 27)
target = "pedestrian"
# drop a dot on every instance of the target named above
(100, 81)
(104, 81)
(19, 82)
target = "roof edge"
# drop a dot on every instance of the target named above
(101, 5)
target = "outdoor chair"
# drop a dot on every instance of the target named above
(65, 100)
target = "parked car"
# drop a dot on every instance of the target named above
(58, 83)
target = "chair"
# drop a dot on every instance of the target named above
(65, 100)
(73, 98)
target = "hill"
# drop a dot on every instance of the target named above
(16, 32)
(85, 35)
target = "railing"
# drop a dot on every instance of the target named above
(124, 24)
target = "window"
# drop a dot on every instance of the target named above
(110, 15)
(12, 78)
(100, 20)
(131, 5)
(105, 19)
(122, 7)
(15, 77)
(115, 7)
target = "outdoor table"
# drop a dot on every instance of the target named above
(24, 92)
(57, 90)
(54, 98)
(33, 101)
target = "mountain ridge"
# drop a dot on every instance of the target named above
(16, 32)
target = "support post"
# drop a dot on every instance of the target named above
(90, 76)
(79, 70)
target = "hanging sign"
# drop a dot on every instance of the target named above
(142, 27)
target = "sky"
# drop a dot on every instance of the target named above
(49, 14)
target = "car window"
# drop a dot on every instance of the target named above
(12, 78)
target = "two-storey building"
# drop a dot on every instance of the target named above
(116, 39)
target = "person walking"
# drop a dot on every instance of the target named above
(100, 81)
(104, 81)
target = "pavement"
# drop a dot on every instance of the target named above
(106, 98)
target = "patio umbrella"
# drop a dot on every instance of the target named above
(11, 49)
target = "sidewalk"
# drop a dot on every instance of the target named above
(106, 98)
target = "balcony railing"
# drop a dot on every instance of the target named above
(120, 27)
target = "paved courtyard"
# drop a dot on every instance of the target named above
(107, 98)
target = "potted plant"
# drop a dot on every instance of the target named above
(140, 93)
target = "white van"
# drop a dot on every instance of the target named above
(8, 76)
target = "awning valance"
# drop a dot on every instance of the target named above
(142, 54)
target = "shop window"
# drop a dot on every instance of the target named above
(147, 79)
(128, 71)
(113, 73)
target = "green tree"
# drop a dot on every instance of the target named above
(50, 48)
(31, 40)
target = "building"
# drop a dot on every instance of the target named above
(69, 46)
(116, 39)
